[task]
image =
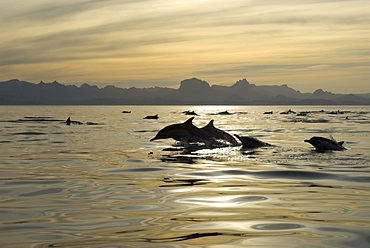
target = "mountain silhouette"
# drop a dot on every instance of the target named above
(190, 92)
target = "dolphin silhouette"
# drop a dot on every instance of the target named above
(151, 117)
(184, 132)
(251, 142)
(218, 134)
(325, 144)
(69, 122)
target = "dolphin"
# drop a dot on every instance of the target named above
(184, 132)
(151, 117)
(218, 134)
(325, 144)
(69, 122)
(251, 142)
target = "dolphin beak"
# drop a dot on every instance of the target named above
(306, 141)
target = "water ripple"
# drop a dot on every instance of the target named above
(286, 174)
(277, 226)
(30, 133)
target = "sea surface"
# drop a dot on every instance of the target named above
(104, 184)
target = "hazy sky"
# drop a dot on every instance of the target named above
(307, 44)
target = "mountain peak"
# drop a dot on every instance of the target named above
(194, 85)
(244, 81)
(319, 93)
(13, 81)
(241, 83)
(87, 86)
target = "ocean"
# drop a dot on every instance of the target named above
(102, 183)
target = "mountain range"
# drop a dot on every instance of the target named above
(191, 92)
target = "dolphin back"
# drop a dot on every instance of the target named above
(251, 142)
(219, 134)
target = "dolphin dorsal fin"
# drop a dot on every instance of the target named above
(189, 121)
(210, 124)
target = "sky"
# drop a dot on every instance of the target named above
(306, 44)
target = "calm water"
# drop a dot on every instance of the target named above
(106, 185)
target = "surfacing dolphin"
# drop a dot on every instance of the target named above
(218, 134)
(186, 132)
(325, 144)
(69, 122)
(249, 142)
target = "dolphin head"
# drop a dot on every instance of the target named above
(172, 131)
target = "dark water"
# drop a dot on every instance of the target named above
(103, 184)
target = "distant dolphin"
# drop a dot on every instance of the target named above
(218, 134)
(69, 122)
(325, 144)
(151, 117)
(188, 112)
(251, 142)
(288, 112)
(224, 113)
(184, 132)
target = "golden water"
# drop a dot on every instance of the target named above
(106, 185)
